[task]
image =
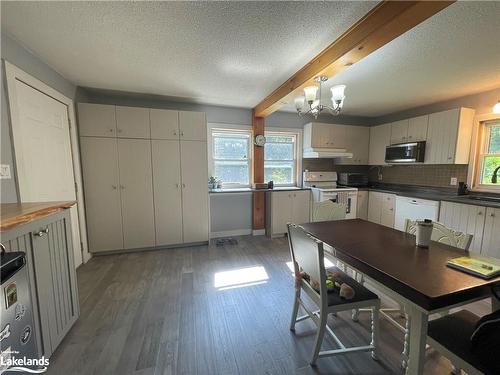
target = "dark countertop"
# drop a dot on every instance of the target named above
(250, 190)
(433, 193)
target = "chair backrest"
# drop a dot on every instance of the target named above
(328, 210)
(443, 234)
(307, 255)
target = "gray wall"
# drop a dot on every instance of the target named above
(14, 53)
(482, 103)
(230, 211)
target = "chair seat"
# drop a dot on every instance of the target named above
(361, 293)
(453, 332)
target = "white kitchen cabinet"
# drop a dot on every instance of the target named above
(132, 122)
(491, 236)
(167, 191)
(319, 135)
(136, 185)
(448, 136)
(102, 193)
(362, 205)
(195, 220)
(96, 120)
(192, 126)
(399, 131)
(164, 124)
(381, 208)
(380, 138)
(465, 218)
(417, 128)
(357, 140)
(283, 207)
(387, 214)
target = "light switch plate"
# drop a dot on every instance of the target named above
(453, 181)
(5, 171)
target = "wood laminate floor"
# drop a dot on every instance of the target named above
(182, 311)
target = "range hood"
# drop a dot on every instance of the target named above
(326, 153)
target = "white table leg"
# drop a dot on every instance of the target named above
(418, 340)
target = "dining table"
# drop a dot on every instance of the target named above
(417, 278)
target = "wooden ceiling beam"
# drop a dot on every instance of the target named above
(384, 23)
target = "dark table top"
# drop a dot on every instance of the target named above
(391, 258)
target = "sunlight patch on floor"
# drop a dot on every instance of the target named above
(241, 277)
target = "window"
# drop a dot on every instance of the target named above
(489, 156)
(231, 157)
(280, 158)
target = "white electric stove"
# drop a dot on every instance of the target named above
(324, 187)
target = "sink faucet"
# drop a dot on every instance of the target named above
(494, 177)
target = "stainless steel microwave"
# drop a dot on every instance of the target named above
(412, 152)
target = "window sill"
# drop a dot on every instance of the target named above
(250, 190)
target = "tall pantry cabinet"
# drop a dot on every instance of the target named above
(145, 173)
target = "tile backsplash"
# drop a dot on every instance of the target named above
(423, 175)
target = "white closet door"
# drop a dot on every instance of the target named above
(193, 126)
(417, 128)
(194, 191)
(167, 191)
(132, 122)
(96, 120)
(136, 185)
(164, 124)
(102, 196)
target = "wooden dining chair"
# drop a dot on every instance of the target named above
(308, 257)
(328, 210)
(443, 234)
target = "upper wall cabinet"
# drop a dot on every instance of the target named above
(192, 126)
(380, 138)
(357, 139)
(132, 122)
(318, 135)
(409, 130)
(96, 120)
(164, 124)
(449, 136)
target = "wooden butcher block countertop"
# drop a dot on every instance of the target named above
(13, 215)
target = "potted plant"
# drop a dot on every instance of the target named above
(213, 182)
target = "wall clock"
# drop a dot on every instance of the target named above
(260, 140)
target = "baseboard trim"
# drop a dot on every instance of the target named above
(154, 248)
(231, 233)
(259, 232)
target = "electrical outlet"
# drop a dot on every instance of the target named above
(453, 181)
(5, 171)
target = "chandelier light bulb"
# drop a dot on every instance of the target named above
(299, 103)
(337, 93)
(310, 93)
(496, 107)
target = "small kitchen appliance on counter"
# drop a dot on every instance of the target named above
(324, 187)
(353, 179)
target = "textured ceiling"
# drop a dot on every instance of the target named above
(227, 53)
(235, 53)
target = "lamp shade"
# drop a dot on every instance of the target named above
(299, 103)
(337, 93)
(310, 93)
(496, 107)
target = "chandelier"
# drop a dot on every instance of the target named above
(315, 107)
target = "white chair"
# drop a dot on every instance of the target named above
(308, 256)
(328, 210)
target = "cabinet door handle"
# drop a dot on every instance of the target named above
(182, 134)
(183, 185)
(175, 133)
(177, 186)
(119, 130)
(295, 195)
(449, 157)
(480, 213)
(122, 187)
(492, 214)
(114, 187)
(111, 130)
(42, 232)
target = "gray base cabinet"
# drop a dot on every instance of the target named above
(52, 277)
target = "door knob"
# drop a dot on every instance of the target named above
(42, 232)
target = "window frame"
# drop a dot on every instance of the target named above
(480, 151)
(297, 152)
(230, 129)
